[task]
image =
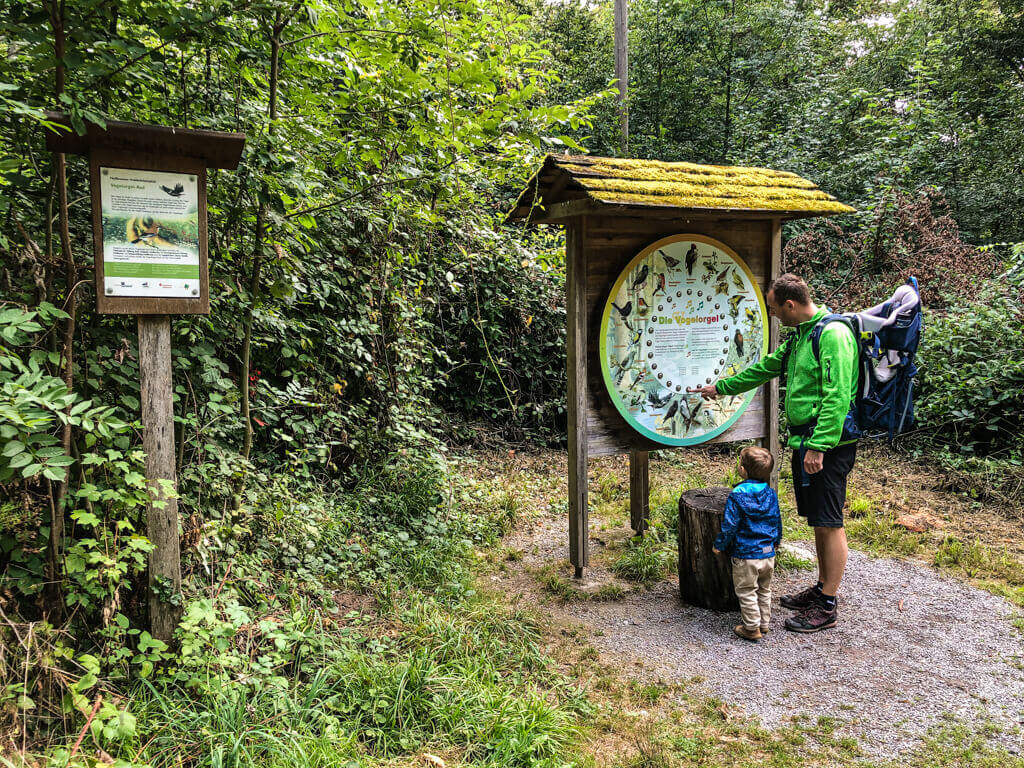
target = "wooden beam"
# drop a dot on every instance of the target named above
(566, 210)
(771, 389)
(576, 361)
(216, 149)
(158, 444)
(639, 491)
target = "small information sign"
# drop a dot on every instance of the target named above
(150, 223)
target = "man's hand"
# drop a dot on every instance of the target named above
(716, 551)
(708, 393)
(814, 461)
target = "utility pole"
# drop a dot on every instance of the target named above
(622, 68)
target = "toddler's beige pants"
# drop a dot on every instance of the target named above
(753, 581)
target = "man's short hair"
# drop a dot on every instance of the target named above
(789, 287)
(758, 463)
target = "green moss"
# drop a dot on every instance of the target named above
(646, 170)
(688, 185)
(711, 192)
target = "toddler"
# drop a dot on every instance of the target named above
(751, 530)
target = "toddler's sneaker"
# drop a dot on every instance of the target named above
(746, 634)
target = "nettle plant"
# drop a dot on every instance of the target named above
(105, 489)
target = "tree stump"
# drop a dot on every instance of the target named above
(705, 579)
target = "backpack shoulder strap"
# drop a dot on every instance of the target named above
(819, 328)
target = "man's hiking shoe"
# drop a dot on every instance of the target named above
(800, 601)
(746, 634)
(765, 630)
(813, 619)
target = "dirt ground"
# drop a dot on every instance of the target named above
(913, 647)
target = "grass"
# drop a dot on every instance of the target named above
(786, 560)
(472, 682)
(554, 583)
(646, 559)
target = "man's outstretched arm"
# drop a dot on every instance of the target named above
(750, 377)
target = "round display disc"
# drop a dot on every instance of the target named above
(684, 313)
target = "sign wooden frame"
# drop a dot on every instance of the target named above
(602, 235)
(144, 305)
(598, 248)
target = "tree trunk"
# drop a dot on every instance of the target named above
(705, 579)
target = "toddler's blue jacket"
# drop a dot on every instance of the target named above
(752, 527)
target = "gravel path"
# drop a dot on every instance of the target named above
(888, 674)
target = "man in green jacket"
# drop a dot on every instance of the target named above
(819, 393)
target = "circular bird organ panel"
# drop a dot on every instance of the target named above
(684, 313)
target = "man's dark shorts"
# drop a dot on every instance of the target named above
(822, 501)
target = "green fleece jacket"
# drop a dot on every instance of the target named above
(815, 390)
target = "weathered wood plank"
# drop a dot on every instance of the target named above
(158, 444)
(577, 348)
(639, 491)
(771, 441)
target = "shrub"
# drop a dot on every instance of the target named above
(972, 374)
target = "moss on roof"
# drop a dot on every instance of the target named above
(688, 185)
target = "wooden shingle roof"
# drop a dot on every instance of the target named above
(573, 184)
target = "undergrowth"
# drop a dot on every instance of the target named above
(344, 630)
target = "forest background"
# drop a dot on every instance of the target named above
(369, 309)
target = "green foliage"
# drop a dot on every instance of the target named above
(786, 560)
(501, 328)
(972, 374)
(646, 559)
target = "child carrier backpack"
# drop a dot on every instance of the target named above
(888, 335)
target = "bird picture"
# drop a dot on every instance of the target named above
(641, 278)
(145, 230)
(734, 305)
(722, 287)
(659, 283)
(178, 190)
(709, 418)
(709, 270)
(625, 310)
(738, 341)
(691, 417)
(722, 275)
(658, 402)
(639, 375)
(691, 259)
(751, 315)
(671, 261)
(629, 361)
(672, 410)
(737, 281)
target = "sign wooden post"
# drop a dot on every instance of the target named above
(148, 188)
(158, 443)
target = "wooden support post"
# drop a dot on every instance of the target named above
(771, 389)
(576, 359)
(639, 491)
(158, 443)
